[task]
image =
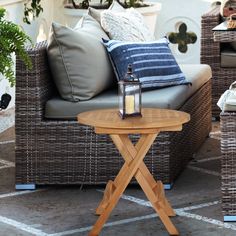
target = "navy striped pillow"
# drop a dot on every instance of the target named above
(153, 62)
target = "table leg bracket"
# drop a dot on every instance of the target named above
(161, 199)
(110, 188)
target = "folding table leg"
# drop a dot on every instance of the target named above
(110, 188)
(153, 190)
(122, 181)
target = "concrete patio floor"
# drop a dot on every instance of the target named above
(58, 211)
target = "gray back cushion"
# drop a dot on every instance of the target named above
(79, 63)
(228, 58)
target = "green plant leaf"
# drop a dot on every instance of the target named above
(34, 7)
(12, 40)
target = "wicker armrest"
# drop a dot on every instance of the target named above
(210, 50)
(209, 21)
(33, 87)
(213, 16)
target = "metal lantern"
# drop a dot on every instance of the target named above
(129, 95)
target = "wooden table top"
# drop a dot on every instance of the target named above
(152, 118)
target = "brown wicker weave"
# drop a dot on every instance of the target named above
(210, 54)
(65, 152)
(228, 163)
(224, 36)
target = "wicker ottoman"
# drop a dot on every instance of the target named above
(228, 165)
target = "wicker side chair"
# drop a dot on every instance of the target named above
(228, 165)
(210, 54)
(65, 152)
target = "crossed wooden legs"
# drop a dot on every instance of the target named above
(134, 166)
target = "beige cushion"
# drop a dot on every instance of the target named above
(229, 107)
(79, 63)
(171, 97)
(228, 58)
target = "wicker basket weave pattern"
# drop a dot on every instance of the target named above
(228, 162)
(210, 54)
(65, 152)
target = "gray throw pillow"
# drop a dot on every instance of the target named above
(78, 60)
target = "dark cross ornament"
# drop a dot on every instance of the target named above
(182, 38)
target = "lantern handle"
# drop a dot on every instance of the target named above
(129, 69)
(129, 76)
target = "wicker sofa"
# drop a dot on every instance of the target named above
(61, 151)
(211, 50)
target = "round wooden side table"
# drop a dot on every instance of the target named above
(152, 122)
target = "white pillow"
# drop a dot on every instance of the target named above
(96, 14)
(126, 26)
(116, 7)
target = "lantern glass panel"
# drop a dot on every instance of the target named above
(131, 98)
(137, 99)
(121, 98)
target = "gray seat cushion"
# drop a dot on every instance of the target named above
(228, 58)
(233, 45)
(170, 97)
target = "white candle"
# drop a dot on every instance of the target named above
(129, 104)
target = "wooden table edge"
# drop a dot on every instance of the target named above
(102, 130)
